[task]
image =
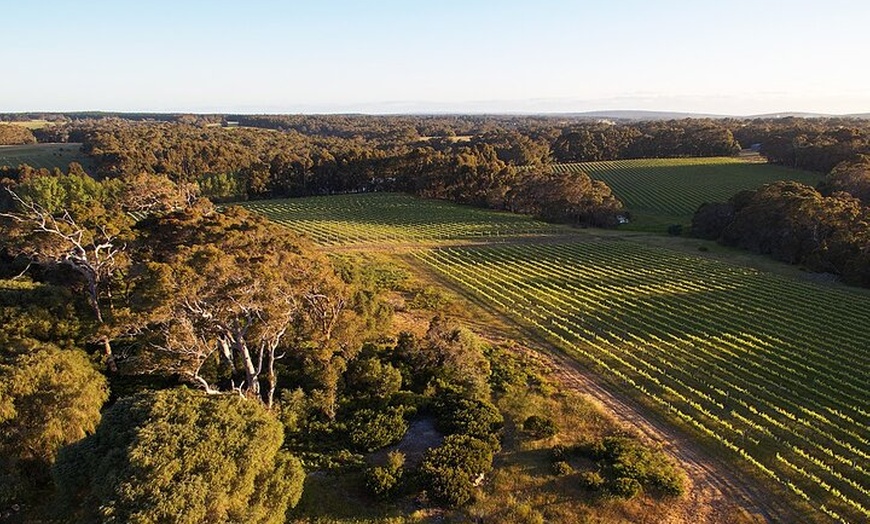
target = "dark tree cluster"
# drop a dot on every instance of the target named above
(813, 144)
(185, 295)
(501, 170)
(796, 224)
(673, 138)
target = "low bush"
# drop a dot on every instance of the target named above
(562, 468)
(384, 481)
(592, 480)
(450, 471)
(369, 430)
(624, 487)
(539, 427)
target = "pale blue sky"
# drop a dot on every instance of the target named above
(738, 57)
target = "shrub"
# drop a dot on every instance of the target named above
(562, 468)
(369, 430)
(647, 466)
(625, 488)
(591, 480)
(476, 418)
(384, 481)
(539, 427)
(371, 379)
(450, 471)
(48, 398)
(180, 456)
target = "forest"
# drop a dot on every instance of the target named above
(151, 329)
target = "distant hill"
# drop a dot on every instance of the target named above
(630, 114)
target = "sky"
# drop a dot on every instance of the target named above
(330, 56)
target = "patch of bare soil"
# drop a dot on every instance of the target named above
(716, 494)
(422, 434)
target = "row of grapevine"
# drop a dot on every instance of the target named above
(675, 187)
(775, 371)
(394, 218)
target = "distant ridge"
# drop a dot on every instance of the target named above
(798, 114)
(628, 114)
(624, 115)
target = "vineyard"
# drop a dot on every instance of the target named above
(666, 191)
(774, 371)
(394, 218)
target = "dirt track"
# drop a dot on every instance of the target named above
(719, 493)
(717, 490)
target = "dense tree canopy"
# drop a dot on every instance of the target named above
(236, 290)
(49, 398)
(180, 456)
(11, 134)
(795, 223)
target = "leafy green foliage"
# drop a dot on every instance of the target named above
(539, 427)
(511, 370)
(624, 487)
(592, 481)
(631, 460)
(369, 429)
(562, 467)
(472, 417)
(181, 456)
(384, 481)
(450, 471)
(48, 398)
(42, 312)
(371, 379)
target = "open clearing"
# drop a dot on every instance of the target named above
(767, 371)
(49, 156)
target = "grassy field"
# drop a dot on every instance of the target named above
(44, 155)
(771, 371)
(32, 124)
(661, 192)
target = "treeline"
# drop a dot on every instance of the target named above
(825, 229)
(814, 144)
(243, 163)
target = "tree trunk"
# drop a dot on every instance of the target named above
(111, 365)
(252, 384)
(271, 379)
(104, 341)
